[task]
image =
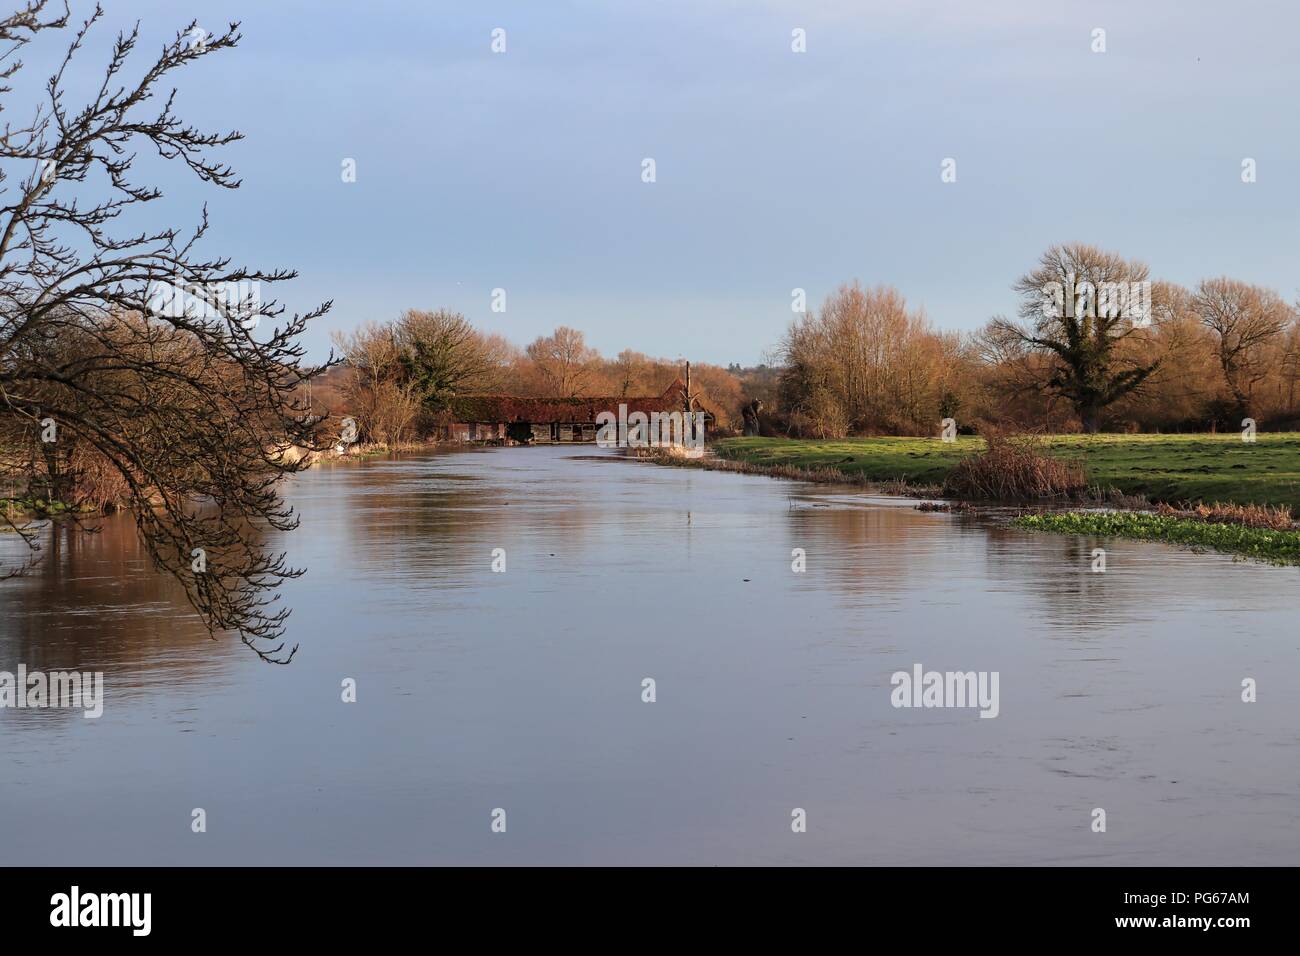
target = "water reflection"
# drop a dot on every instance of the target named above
(93, 602)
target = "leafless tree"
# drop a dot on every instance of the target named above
(377, 392)
(564, 361)
(629, 368)
(1243, 318)
(192, 405)
(864, 362)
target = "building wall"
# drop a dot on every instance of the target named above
(542, 432)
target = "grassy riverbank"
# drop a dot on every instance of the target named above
(1170, 468)
(17, 510)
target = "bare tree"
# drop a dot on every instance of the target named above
(191, 409)
(629, 368)
(564, 361)
(501, 356)
(377, 393)
(1243, 318)
(864, 362)
(1290, 363)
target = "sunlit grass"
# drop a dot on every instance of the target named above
(1172, 468)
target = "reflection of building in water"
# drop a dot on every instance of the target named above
(427, 526)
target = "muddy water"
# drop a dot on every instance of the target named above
(523, 690)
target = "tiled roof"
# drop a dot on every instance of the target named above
(510, 408)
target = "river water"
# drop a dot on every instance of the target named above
(522, 691)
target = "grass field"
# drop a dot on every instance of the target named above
(1169, 468)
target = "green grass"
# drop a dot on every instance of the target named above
(25, 508)
(1171, 468)
(1276, 547)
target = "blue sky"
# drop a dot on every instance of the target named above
(775, 170)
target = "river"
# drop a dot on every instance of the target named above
(522, 690)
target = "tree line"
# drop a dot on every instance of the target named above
(399, 377)
(1094, 345)
(1197, 359)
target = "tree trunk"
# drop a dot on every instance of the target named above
(1091, 418)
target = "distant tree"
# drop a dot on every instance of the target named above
(718, 391)
(1186, 380)
(864, 362)
(406, 371)
(1289, 366)
(564, 362)
(629, 370)
(1243, 319)
(1061, 317)
(503, 356)
(193, 406)
(443, 355)
(377, 392)
(759, 383)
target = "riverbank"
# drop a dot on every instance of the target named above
(1152, 487)
(1259, 544)
(1158, 468)
(824, 474)
(16, 511)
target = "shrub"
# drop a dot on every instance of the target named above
(1014, 468)
(1275, 518)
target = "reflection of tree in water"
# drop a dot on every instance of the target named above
(1058, 570)
(1139, 580)
(881, 550)
(434, 520)
(895, 551)
(95, 603)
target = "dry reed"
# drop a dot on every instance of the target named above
(1012, 469)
